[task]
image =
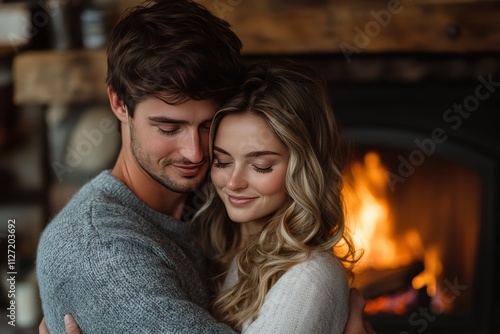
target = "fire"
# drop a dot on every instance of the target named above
(371, 220)
(391, 304)
(433, 269)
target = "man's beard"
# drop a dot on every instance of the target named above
(164, 181)
(168, 182)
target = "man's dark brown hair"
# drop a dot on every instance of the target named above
(175, 50)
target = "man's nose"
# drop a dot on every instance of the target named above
(192, 147)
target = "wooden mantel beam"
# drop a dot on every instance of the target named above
(338, 26)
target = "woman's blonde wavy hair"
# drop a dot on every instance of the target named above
(293, 100)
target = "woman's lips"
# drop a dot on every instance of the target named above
(240, 200)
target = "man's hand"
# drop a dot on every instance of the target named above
(69, 323)
(356, 323)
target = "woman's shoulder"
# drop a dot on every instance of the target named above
(320, 263)
(321, 270)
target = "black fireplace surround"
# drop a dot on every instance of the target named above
(417, 117)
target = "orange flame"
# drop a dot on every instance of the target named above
(370, 219)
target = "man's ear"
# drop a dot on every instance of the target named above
(117, 105)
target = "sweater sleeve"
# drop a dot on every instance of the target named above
(119, 283)
(312, 297)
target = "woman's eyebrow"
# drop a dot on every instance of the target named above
(255, 154)
(220, 150)
(252, 154)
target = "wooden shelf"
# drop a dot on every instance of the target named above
(74, 76)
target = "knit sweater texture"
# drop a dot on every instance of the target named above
(310, 298)
(120, 267)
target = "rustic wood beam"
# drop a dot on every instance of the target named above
(362, 26)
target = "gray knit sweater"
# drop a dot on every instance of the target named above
(120, 267)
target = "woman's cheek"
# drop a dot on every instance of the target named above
(217, 177)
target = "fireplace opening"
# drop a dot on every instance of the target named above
(419, 210)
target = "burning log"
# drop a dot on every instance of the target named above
(375, 283)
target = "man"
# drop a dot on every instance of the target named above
(117, 256)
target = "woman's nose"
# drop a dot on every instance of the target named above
(237, 179)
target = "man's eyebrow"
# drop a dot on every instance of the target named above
(168, 120)
(253, 154)
(163, 119)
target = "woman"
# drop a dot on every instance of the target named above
(274, 210)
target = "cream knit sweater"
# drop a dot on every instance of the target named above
(311, 297)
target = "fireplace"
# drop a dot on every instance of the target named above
(421, 192)
(422, 216)
(423, 178)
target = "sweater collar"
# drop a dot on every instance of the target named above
(122, 194)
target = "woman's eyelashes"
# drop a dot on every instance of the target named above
(263, 170)
(260, 169)
(218, 164)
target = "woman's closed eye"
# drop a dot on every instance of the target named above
(219, 164)
(258, 167)
(263, 170)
